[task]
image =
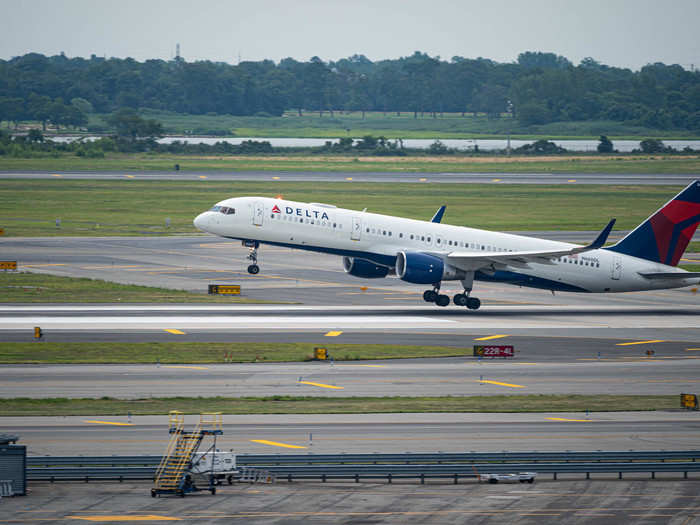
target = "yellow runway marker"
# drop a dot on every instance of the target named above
(129, 176)
(692, 349)
(422, 180)
(568, 420)
(202, 176)
(571, 180)
(348, 178)
(490, 337)
(190, 367)
(274, 443)
(174, 331)
(321, 385)
(56, 175)
(275, 178)
(640, 342)
(499, 383)
(333, 333)
(43, 265)
(116, 424)
(496, 180)
(134, 517)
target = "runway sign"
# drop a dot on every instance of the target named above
(689, 401)
(320, 353)
(8, 265)
(494, 351)
(224, 289)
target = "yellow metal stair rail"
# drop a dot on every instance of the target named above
(176, 421)
(180, 449)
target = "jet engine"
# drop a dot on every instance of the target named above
(423, 268)
(364, 268)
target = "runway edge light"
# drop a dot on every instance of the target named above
(38, 333)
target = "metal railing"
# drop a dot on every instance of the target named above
(381, 466)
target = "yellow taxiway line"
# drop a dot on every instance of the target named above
(499, 383)
(274, 443)
(640, 342)
(333, 333)
(125, 517)
(568, 420)
(174, 331)
(321, 385)
(115, 423)
(490, 337)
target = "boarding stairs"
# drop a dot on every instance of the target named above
(171, 475)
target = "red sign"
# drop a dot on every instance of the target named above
(494, 351)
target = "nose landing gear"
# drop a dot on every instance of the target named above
(253, 268)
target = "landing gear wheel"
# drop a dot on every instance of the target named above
(254, 269)
(430, 296)
(230, 479)
(473, 303)
(460, 299)
(153, 493)
(442, 300)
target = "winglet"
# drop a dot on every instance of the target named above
(602, 236)
(438, 214)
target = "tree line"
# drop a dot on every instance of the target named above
(536, 89)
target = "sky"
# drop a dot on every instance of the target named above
(622, 33)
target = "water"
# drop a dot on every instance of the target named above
(624, 146)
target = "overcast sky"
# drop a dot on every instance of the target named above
(625, 33)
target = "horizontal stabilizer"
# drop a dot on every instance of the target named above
(671, 275)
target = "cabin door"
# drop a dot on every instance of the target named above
(258, 213)
(356, 229)
(616, 270)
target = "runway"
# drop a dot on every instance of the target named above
(365, 433)
(339, 176)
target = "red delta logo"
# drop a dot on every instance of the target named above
(276, 209)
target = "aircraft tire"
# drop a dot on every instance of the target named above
(473, 303)
(460, 299)
(442, 300)
(254, 269)
(430, 296)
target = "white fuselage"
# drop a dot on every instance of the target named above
(378, 238)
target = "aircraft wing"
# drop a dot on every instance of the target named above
(474, 260)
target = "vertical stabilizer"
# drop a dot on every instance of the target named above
(664, 236)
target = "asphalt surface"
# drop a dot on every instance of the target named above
(367, 433)
(573, 501)
(437, 177)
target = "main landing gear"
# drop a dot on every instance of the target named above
(253, 268)
(462, 299)
(433, 296)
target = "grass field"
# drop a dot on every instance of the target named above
(169, 353)
(448, 125)
(574, 164)
(43, 288)
(339, 405)
(133, 207)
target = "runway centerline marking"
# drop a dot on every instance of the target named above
(124, 517)
(129, 176)
(189, 367)
(322, 385)
(115, 423)
(499, 383)
(333, 333)
(56, 175)
(274, 443)
(202, 176)
(569, 420)
(174, 331)
(491, 337)
(571, 180)
(640, 342)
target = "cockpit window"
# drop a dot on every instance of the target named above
(224, 209)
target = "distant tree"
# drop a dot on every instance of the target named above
(35, 135)
(540, 147)
(537, 59)
(83, 105)
(39, 108)
(653, 146)
(438, 148)
(129, 124)
(533, 113)
(605, 145)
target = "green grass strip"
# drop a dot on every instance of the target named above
(40, 352)
(43, 288)
(338, 405)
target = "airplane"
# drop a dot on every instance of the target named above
(428, 253)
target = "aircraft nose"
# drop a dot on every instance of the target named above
(200, 221)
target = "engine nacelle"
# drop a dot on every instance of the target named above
(422, 268)
(364, 268)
